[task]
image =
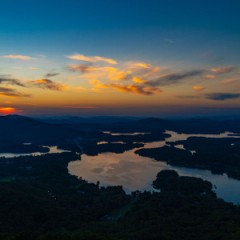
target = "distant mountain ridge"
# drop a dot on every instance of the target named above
(17, 129)
(128, 124)
(194, 125)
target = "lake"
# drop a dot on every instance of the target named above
(52, 149)
(135, 172)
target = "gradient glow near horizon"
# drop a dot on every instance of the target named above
(119, 57)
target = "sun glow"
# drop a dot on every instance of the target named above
(7, 110)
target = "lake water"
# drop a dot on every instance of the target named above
(52, 149)
(135, 172)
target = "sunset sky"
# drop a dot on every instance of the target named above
(128, 57)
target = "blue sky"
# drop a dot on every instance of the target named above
(49, 25)
(176, 36)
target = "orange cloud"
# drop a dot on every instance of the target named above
(34, 68)
(80, 57)
(133, 88)
(106, 73)
(142, 69)
(135, 77)
(222, 70)
(137, 89)
(83, 68)
(198, 88)
(115, 74)
(47, 84)
(151, 72)
(210, 76)
(230, 81)
(20, 57)
(10, 92)
(138, 80)
(103, 76)
(138, 65)
(98, 84)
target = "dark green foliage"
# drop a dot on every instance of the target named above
(170, 181)
(147, 137)
(21, 148)
(167, 154)
(218, 155)
(110, 147)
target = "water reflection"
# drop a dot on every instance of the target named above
(135, 172)
(52, 149)
(124, 134)
(104, 142)
(131, 171)
(226, 188)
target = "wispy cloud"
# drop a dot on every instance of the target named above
(198, 88)
(9, 81)
(48, 75)
(83, 68)
(9, 92)
(19, 57)
(136, 89)
(222, 96)
(142, 69)
(139, 80)
(222, 70)
(34, 68)
(132, 88)
(93, 59)
(230, 81)
(135, 65)
(209, 76)
(174, 78)
(96, 72)
(47, 84)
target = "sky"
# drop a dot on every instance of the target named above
(128, 57)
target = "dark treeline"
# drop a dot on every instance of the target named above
(93, 150)
(218, 155)
(147, 137)
(23, 148)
